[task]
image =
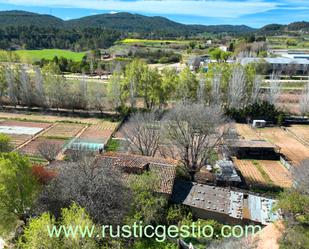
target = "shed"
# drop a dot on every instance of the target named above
(259, 123)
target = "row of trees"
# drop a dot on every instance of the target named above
(136, 85)
(21, 86)
(230, 86)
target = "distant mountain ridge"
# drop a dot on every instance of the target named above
(125, 22)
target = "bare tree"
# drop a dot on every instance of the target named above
(93, 184)
(39, 90)
(237, 88)
(215, 90)
(256, 89)
(275, 89)
(98, 98)
(143, 131)
(48, 150)
(114, 88)
(201, 88)
(9, 75)
(304, 100)
(26, 88)
(195, 130)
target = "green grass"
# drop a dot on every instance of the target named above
(128, 41)
(112, 145)
(262, 171)
(49, 54)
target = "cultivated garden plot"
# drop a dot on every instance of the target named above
(289, 145)
(64, 130)
(264, 172)
(32, 148)
(48, 118)
(18, 139)
(279, 175)
(301, 132)
(250, 172)
(246, 132)
(101, 131)
(28, 124)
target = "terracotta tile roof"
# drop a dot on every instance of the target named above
(165, 169)
(134, 165)
(140, 158)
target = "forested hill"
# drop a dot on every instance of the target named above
(23, 18)
(123, 22)
(278, 29)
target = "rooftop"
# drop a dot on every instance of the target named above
(242, 143)
(236, 204)
(136, 164)
(277, 60)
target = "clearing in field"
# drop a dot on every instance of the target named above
(49, 54)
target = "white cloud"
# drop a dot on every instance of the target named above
(203, 8)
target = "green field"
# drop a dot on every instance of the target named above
(145, 41)
(49, 54)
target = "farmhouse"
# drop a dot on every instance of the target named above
(225, 205)
(254, 149)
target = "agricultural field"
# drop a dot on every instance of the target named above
(278, 174)
(249, 172)
(289, 145)
(27, 132)
(246, 132)
(49, 54)
(101, 131)
(64, 130)
(301, 132)
(28, 124)
(145, 41)
(37, 118)
(264, 172)
(31, 148)
(18, 139)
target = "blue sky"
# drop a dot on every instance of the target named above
(254, 13)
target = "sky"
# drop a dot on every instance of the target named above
(254, 13)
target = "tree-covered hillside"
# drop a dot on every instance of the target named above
(24, 18)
